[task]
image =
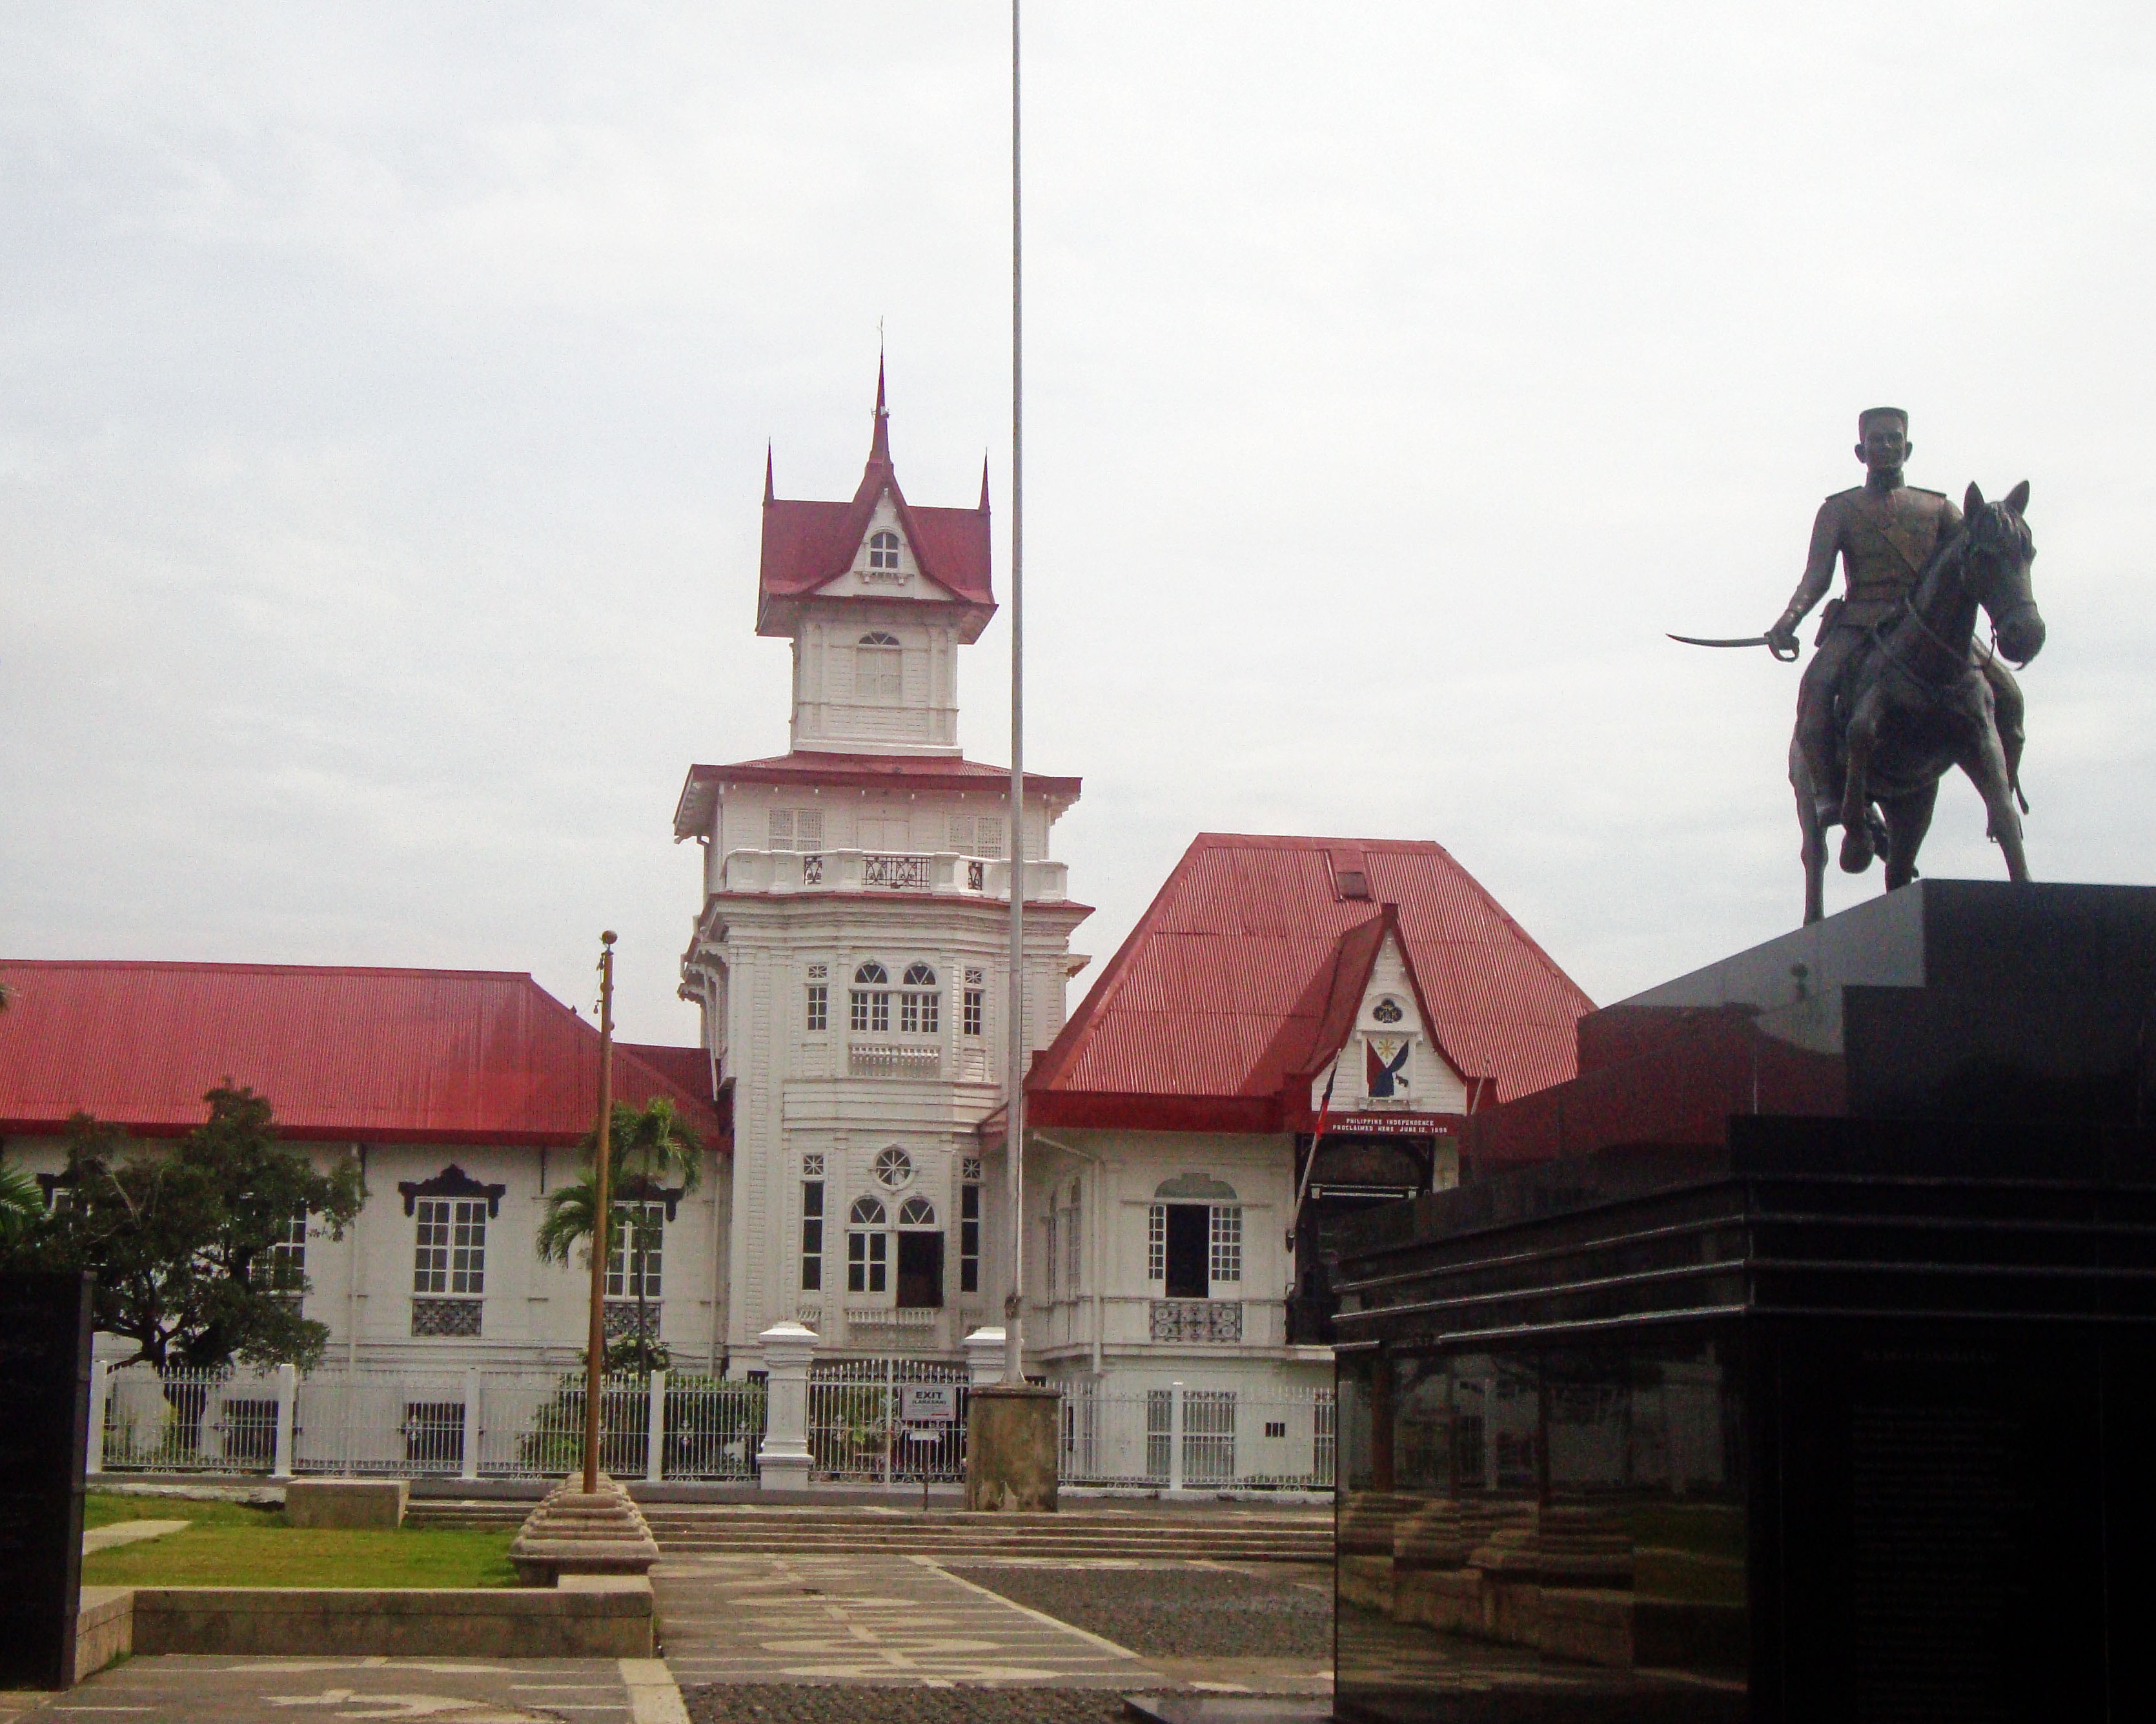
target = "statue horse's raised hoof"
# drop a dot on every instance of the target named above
(1862, 842)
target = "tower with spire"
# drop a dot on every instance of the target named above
(854, 911)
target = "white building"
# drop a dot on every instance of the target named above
(1362, 996)
(848, 958)
(463, 1095)
(850, 954)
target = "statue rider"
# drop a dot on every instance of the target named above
(1884, 531)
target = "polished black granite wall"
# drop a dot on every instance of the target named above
(1948, 1000)
(1823, 1385)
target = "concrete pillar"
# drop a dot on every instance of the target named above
(654, 1442)
(288, 1392)
(984, 1357)
(100, 1398)
(783, 1462)
(470, 1445)
(1012, 1449)
(1175, 1439)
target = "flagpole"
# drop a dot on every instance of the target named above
(1015, 1014)
(595, 1342)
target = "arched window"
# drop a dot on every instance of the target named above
(870, 1005)
(916, 1212)
(892, 1168)
(883, 552)
(920, 1007)
(878, 637)
(867, 1248)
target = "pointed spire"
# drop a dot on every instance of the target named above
(984, 482)
(880, 446)
(768, 493)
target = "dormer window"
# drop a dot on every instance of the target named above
(883, 552)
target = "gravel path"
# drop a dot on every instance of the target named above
(1190, 1610)
(740, 1703)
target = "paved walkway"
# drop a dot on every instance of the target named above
(868, 1618)
(291, 1690)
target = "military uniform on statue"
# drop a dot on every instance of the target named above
(1885, 532)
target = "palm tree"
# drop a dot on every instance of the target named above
(647, 1149)
(22, 1206)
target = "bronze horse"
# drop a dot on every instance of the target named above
(1916, 701)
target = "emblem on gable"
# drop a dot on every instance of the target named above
(1385, 1067)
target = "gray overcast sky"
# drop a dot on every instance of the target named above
(383, 395)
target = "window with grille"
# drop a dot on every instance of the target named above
(812, 1233)
(883, 552)
(919, 1008)
(451, 1251)
(868, 1249)
(878, 669)
(820, 1005)
(1074, 1234)
(1049, 1258)
(1157, 1243)
(969, 1233)
(639, 1235)
(870, 1007)
(1226, 1256)
(916, 1212)
(283, 1267)
(892, 1167)
(796, 829)
(977, 835)
(975, 1009)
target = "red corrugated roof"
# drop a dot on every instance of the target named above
(689, 1068)
(433, 1055)
(809, 545)
(1230, 989)
(692, 814)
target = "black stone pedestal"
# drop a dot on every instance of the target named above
(1838, 1407)
(44, 1389)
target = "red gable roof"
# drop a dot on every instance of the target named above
(432, 1055)
(692, 815)
(809, 545)
(1243, 977)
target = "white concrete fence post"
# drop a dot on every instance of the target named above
(783, 1462)
(655, 1445)
(288, 1392)
(984, 1357)
(100, 1398)
(469, 1470)
(1174, 1438)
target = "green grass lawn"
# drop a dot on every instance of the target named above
(232, 1545)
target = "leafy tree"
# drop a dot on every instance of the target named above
(646, 1150)
(21, 1209)
(181, 1239)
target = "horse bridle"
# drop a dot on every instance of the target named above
(1937, 690)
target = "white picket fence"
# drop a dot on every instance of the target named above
(513, 1424)
(473, 1424)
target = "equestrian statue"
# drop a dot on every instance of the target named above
(1901, 687)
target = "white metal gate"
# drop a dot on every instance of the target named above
(855, 1430)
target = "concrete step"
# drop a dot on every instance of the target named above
(689, 1529)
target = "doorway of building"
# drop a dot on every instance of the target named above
(920, 1271)
(1189, 1233)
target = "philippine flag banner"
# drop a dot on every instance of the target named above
(1385, 1067)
